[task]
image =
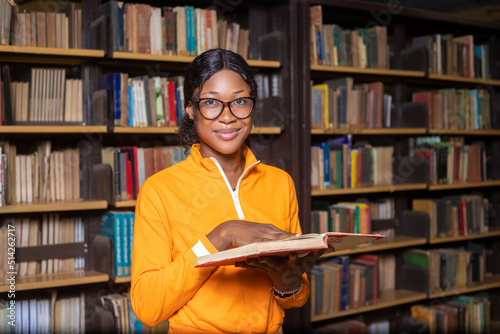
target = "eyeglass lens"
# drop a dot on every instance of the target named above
(211, 108)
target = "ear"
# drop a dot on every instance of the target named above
(190, 111)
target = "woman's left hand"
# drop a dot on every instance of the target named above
(285, 272)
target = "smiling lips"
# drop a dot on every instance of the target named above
(227, 134)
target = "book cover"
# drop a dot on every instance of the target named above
(302, 244)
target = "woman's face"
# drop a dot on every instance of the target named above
(225, 134)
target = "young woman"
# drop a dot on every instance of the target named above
(221, 196)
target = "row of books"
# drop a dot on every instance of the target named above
(42, 175)
(51, 229)
(455, 55)
(382, 208)
(45, 313)
(465, 109)
(344, 283)
(336, 164)
(48, 97)
(333, 45)
(132, 165)
(353, 326)
(145, 101)
(350, 217)
(451, 161)
(180, 30)
(119, 227)
(339, 104)
(461, 314)
(62, 29)
(454, 216)
(125, 321)
(449, 268)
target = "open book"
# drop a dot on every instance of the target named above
(300, 245)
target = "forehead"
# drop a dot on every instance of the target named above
(225, 81)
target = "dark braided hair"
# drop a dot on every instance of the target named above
(197, 73)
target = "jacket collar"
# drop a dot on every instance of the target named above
(209, 164)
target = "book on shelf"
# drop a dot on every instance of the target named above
(456, 55)
(458, 109)
(50, 229)
(62, 29)
(165, 30)
(303, 244)
(333, 45)
(451, 161)
(460, 314)
(144, 101)
(116, 314)
(336, 165)
(118, 226)
(350, 282)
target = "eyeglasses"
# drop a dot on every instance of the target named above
(211, 108)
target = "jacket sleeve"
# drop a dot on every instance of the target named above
(300, 298)
(161, 283)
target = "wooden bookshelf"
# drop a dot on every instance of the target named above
(126, 279)
(54, 206)
(464, 132)
(125, 204)
(436, 187)
(491, 282)
(56, 52)
(386, 299)
(173, 130)
(465, 237)
(185, 59)
(381, 245)
(373, 71)
(44, 281)
(52, 129)
(381, 132)
(455, 78)
(145, 130)
(367, 190)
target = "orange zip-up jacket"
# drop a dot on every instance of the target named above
(175, 210)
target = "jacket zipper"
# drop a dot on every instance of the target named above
(234, 193)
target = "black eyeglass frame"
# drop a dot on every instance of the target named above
(224, 104)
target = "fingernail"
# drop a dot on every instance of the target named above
(298, 234)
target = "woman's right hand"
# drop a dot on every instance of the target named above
(240, 232)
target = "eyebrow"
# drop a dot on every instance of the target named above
(216, 93)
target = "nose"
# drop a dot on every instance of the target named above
(226, 115)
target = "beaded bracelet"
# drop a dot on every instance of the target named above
(285, 294)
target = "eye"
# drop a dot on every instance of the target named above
(240, 102)
(209, 103)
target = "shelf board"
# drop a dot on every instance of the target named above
(391, 188)
(54, 206)
(58, 52)
(185, 59)
(465, 237)
(44, 281)
(386, 299)
(126, 279)
(52, 129)
(456, 78)
(125, 204)
(494, 183)
(465, 132)
(383, 244)
(392, 131)
(491, 282)
(173, 130)
(374, 71)
(144, 130)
